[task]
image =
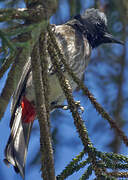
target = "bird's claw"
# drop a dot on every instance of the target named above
(79, 106)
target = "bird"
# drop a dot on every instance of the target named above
(76, 39)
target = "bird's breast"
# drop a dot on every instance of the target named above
(76, 50)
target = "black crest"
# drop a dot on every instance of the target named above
(93, 24)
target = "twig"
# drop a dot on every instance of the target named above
(11, 13)
(23, 13)
(87, 173)
(118, 174)
(11, 10)
(44, 65)
(34, 14)
(72, 166)
(6, 65)
(45, 136)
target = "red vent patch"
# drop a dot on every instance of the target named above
(28, 111)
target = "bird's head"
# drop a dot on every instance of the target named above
(93, 24)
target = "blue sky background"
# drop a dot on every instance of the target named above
(68, 143)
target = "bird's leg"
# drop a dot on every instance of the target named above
(64, 107)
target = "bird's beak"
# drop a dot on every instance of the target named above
(110, 39)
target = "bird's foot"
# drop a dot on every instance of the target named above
(66, 107)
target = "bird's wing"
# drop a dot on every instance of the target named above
(21, 85)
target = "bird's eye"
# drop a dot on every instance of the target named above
(103, 17)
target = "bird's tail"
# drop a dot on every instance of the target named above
(16, 148)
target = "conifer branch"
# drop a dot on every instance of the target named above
(81, 129)
(47, 167)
